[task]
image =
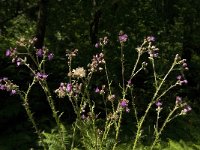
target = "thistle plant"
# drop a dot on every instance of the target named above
(37, 69)
(77, 89)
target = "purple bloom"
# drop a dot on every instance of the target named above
(69, 87)
(129, 83)
(184, 65)
(62, 84)
(97, 45)
(2, 87)
(123, 38)
(185, 81)
(5, 78)
(18, 61)
(50, 56)
(158, 104)
(181, 80)
(150, 38)
(178, 99)
(179, 77)
(41, 76)
(13, 92)
(39, 52)
(124, 103)
(97, 90)
(127, 110)
(186, 109)
(8, 53)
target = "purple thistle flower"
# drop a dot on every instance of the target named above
(5, 78)
(127, 110)
(184, 65)
(8, 53)
(97, 90)
(150, 38)
(2, 87)
(50, 56)
(123, 38)
(178, 99)
(41, 76)
(129, 83)
(181, 80)
(97, 45)
(124, 103)
(185, 81)
(13, 92)
(186, 109)
(158, 104)
(18, 61)
(39, 52)
(69, 87)
(179, 77)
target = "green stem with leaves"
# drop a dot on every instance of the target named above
(161, 129)
(30, 114)
(117, 130)
(52, 106)
(153, 100)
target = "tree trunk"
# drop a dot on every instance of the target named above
(41, 23)
(94, 27)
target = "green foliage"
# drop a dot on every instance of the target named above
(68, 27)
(53, 139)
(174, 145)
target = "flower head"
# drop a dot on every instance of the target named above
(127, 110)
(124, 103)
(181, 80)
(61, 91)
(13, 92)
(111, 97)
(40, 52)
(41, 76)
(7, 85)
(69, 87)
(2, 87)
(105, 40)
(151, 39)
(50, 56)
(97, 45)
(79, 72)
(97, 90)
(12, 52)
(8, 53)
(19, 61)
(96, 61)
(158, 104)
(178, 100)
(186, 109)
(122, 37)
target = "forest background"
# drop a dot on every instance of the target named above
(64, 24)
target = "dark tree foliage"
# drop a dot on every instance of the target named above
(65, 24)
